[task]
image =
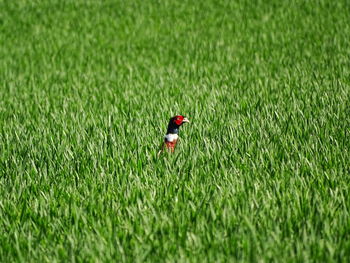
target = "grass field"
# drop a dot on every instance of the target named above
(260, 175)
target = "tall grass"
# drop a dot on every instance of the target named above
(261, 174)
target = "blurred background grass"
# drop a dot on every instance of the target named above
(261, 173)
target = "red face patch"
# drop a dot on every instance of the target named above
(178, 119)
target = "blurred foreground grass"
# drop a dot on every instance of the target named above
(261, 173)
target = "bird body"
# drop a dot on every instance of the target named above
(170, 141)
(172, 135)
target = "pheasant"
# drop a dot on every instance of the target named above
(172, 134)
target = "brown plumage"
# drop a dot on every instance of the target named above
(170, 145)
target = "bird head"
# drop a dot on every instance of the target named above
(175, 123)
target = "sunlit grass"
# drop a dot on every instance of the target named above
(260, 174)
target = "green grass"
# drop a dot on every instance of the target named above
(260, 175)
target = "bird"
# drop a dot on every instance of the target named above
(172, 135)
